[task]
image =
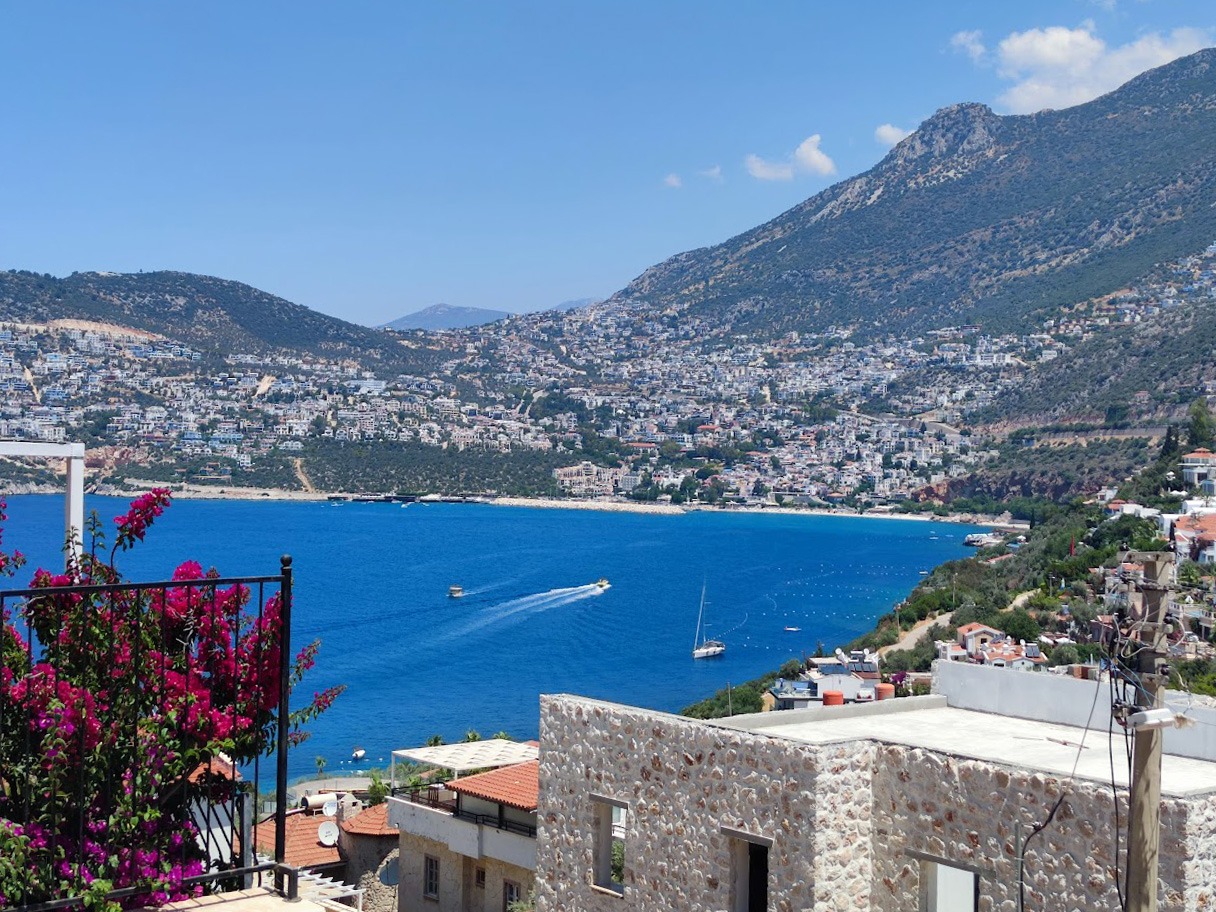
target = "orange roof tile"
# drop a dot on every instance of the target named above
(372, 821)
(1203, 524)
(974, 626)
(219, 765)
(515, 786)
(303, 848)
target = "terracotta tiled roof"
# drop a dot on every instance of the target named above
(973, 627)
(219, 766)
(515, 786)
(1204, 524)
(303, 849)
(372, 821)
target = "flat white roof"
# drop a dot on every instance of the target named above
(470, 755)
(1042, 746)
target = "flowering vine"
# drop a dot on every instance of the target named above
(112, 709)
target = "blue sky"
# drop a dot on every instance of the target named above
(371, 159)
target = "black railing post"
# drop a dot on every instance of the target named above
(280, 803)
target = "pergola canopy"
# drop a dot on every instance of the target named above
(471, 755)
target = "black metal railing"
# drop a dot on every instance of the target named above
(489, 820)
(114, 699)
(434, 798)
(427, 797)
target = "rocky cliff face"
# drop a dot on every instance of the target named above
(975, 217)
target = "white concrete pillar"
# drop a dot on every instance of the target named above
(73, 508)
(73, 511)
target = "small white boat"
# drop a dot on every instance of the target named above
(703, 648)
(602, 583)
(358, 754)
(455, 592)
(792, 629)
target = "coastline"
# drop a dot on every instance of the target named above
(185, 491)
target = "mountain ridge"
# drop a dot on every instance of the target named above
(446, 316)
(210, 313)
(1003, 218)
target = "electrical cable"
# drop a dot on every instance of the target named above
(1114, 789)
(1055, 807)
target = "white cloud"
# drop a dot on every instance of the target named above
(971, 44)
(714, 174)
(807, 158)
(763, 170)
(890, 135)
(1057, 67)
(674, 181)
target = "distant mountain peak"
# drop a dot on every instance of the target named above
(960, 129)
(446, 316)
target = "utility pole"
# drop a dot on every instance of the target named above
(1148, 663)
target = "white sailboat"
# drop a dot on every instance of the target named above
(701, 647)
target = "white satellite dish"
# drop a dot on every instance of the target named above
(329, 808)
(327, 833)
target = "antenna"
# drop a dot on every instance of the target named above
(327, 833)
(330, 807)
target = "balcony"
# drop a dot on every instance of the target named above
(113, 699)
(441, 799)
(436, 815)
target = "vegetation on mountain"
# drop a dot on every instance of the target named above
(1033, 465)
(415, 468)
(215, 315)
(975, 218)
(1141, 374)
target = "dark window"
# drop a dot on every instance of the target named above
(430, 877)
(611, 821)
(757, 877)
(510, 894)
(479, 878)
(749, 875)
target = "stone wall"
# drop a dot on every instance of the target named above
(963, 812)
(371, 863)
(688, 787)
(853, 826)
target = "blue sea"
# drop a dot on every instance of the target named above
(372, 583)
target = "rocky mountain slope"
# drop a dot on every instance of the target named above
(214, 315)
(975, 218)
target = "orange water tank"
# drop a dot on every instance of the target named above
(884, 691)
(833, 698)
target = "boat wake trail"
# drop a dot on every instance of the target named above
(525, 606)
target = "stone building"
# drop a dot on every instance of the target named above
(918, 803)
(369, 844)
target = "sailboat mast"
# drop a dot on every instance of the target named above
(696, 640)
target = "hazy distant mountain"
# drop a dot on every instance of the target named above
(974, 218)
(213, 315)
(445, 316)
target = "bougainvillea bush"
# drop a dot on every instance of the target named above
(113, 703)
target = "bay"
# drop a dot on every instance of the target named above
(372, 584)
